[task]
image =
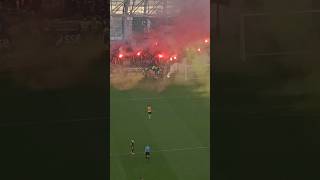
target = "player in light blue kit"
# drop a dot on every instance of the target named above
(147, 151)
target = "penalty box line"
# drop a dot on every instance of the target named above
(164, 150)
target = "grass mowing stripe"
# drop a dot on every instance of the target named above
(187, 114)
(164, 98)
(132, 123)
(176, 121)
(162, 165)
(165, 150)
(194, 118)
(181, 162)
(160, 98)
(118, 167)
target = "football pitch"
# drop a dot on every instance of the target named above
(178, 133)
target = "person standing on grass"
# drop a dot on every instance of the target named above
(149, 111)
(147, 151)
(132, 146)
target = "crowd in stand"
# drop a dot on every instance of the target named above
(151, 63)
(140, 58)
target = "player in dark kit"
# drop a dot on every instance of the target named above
(132, 146)
(149, 111)
(147, 151)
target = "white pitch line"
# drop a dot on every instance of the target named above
(164, 150)
(182, 149)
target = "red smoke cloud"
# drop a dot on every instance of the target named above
(191, 24)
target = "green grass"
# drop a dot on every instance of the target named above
(178, 130)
